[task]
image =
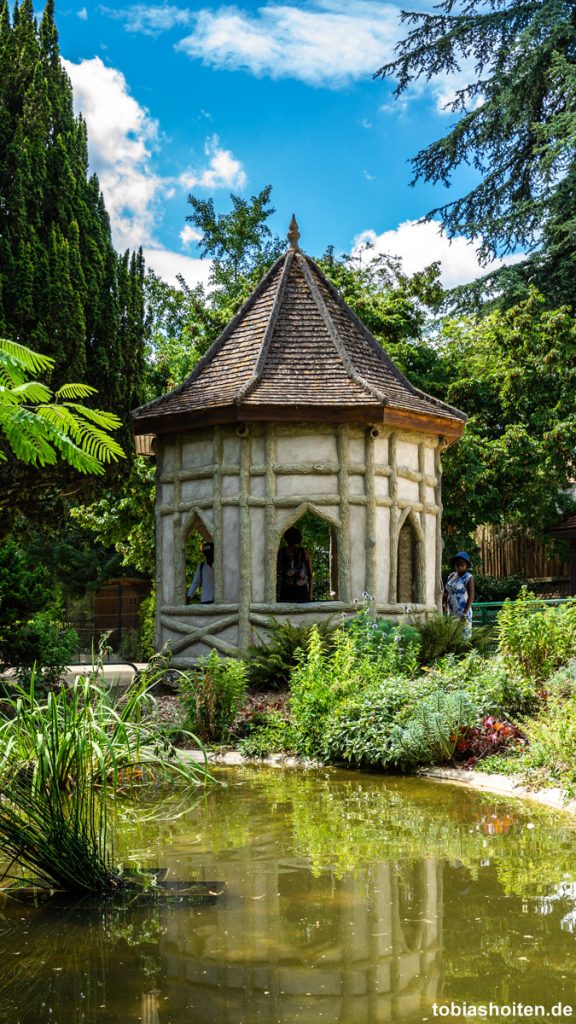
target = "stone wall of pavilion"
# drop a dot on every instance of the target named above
(243, 487)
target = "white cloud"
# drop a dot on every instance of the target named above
(121, 138)
(188, 235)
(149, 20)
(82, 14)
(418, 245)
(223, 171)
(168, 265)
(328, 44)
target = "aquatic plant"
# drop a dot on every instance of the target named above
(63, 760)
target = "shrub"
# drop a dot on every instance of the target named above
(269, 665)
(320, 682)
(536, 638)
(363, 728)
(360, 731)
(432, 732)
(395, 646)
(552, 741)
(497, 588)
(444, 634)
(41, 649)
(495, 686)
(212, 693)
(267, 732)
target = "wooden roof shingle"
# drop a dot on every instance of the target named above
(296, 352)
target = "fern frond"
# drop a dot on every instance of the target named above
(93, 441)
(32, 391)
(8, 398)
(26, 439)
(31, 362)
(104, 419)
(75, 391)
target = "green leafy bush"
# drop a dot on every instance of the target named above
(360, 730)
(551, 739)
(536, 638)
(268, 665)
(41, 649)
(267, 733)
(495, 686)
(320, 682)
(497, 588)
(395, 646)
(431, 734)
(212, 694)
(363, 729)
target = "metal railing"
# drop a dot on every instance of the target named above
(484, 612)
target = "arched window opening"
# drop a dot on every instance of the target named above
(308, 549)
(407, 587)
(199, 562)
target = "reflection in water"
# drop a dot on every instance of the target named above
(348, 898)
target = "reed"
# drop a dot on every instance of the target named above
(64, 760)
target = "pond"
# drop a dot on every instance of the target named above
(340, 897)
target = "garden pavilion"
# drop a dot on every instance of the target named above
(294, 409)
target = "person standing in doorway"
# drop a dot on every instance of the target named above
(294, 569)
(204, 576)
(459, 591)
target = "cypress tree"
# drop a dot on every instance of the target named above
(62, 288)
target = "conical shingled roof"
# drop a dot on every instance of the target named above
(295, 352)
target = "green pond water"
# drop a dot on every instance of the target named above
(342, 898)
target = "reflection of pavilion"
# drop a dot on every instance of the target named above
(287, 946)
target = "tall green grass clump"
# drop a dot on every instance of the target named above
(63, 760)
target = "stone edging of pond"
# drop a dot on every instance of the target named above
(503, 785)
(233, 758)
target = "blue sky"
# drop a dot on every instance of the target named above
(211, 98)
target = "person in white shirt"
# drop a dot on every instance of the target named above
(204, 576)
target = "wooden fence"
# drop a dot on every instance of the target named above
(506, 551)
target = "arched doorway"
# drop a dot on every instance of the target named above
(196, 536)
(319, 540)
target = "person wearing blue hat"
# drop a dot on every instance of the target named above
(459, 591)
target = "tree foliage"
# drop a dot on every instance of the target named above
(514, 373)
(516, 127)
(63, 289)
(240, 242)
(39, 430)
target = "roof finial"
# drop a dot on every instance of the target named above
(294, 234)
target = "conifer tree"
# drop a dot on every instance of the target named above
(516, 126)
(60, 278)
